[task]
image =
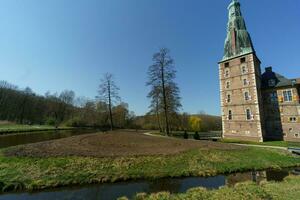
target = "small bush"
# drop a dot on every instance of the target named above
(185, 135)
(196, 136)
(51, 121)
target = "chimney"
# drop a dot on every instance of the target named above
(268, 69)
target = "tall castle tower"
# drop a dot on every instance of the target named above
(240, 82)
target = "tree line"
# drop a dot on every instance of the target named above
(107, 109)
(23, 106)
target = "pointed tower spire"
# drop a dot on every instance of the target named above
(238, 41)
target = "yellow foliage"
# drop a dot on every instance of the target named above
(195, 123)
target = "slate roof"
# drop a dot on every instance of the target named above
(280, 80)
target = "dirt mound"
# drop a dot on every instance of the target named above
(113, 144)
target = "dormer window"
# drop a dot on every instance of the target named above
(271, 83)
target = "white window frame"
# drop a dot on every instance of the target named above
(286, 91)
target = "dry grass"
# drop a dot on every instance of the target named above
(114, 144)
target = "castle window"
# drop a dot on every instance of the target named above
(244, 69)
(271, 83)
(227, 84)
(287, 95)
(246, 96)
(227, 64)
(290, 130)
(228, 98)
(296, 135)
(248, 114)
(284, 135)
(229, 115)
(293, 119)
(226, 73)
(273, 96)
(245, 82)
(243, 60)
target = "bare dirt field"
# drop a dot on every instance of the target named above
(113, 144)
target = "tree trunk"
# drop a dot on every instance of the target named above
(157, 117)
(165, 99)
(109, 107)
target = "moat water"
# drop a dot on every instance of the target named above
(174, 185)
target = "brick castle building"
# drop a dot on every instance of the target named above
(255, 106)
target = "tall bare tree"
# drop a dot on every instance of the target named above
(109, 93)
(164, 91)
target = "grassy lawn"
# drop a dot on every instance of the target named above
(17, 128)
(268, 143)
(29, 172)
(288, 189)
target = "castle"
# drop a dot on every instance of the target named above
(254, 106)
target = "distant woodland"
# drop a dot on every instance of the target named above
(23, 106)
(107, 110)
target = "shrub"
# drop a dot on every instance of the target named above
(185, 135)
(196, 136)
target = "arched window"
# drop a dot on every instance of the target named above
(227, 74)
(227, 84)
(246, 96)
(244, 69)
(228, 98)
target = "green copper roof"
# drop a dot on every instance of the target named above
(238, 41)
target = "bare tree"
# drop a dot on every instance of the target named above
(164, 91)
(108, 92)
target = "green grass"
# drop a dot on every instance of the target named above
(288, 189)
(19, 128)
(18, 173)
(268, 143)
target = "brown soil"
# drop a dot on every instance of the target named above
(113, 144)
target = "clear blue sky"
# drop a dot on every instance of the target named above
(52, 45)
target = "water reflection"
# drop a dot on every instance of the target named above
(25, 138)
(129, 189)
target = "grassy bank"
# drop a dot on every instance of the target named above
(288, 189)
(268, 143)
(19, 128)
(26, 173)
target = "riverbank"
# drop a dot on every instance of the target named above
(120, 156)
(6, 129)
(288, 189)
